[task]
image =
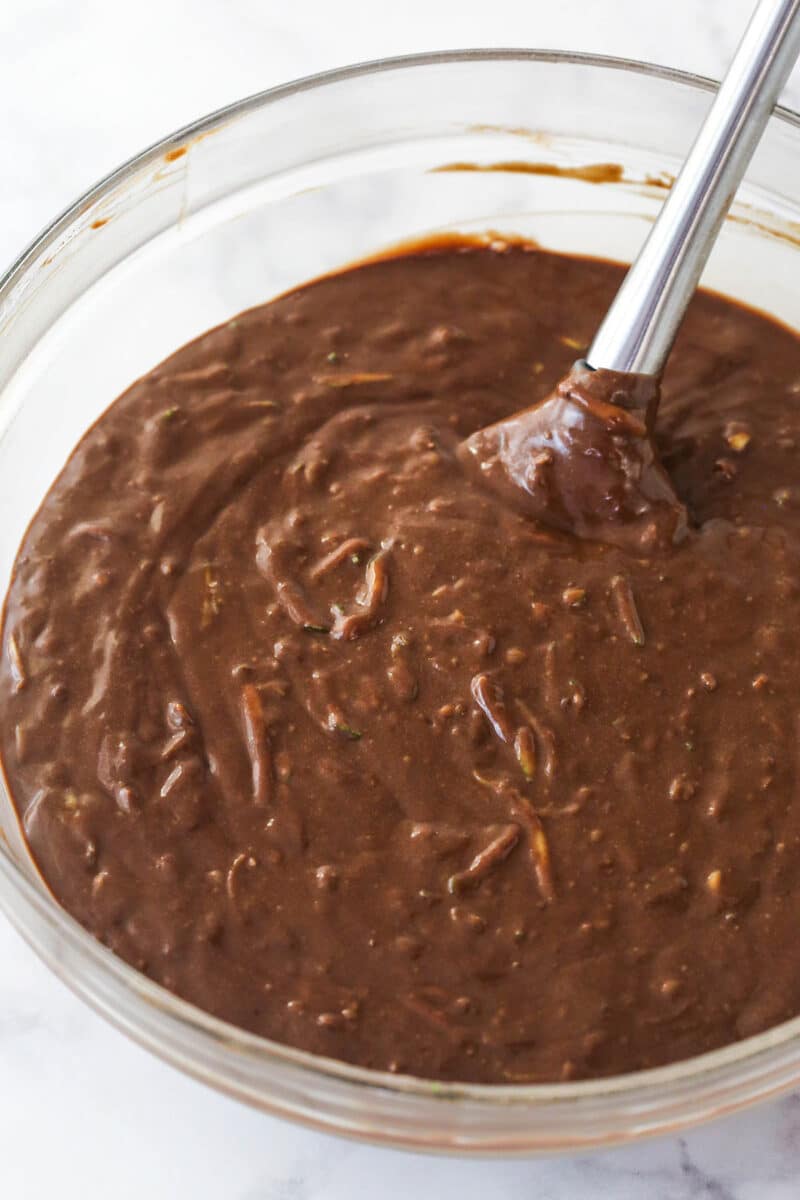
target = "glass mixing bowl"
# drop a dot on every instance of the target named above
(257, 198)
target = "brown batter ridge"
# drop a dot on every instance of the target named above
(310, 724)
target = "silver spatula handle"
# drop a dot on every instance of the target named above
(641, 324)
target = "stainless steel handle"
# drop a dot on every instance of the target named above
(641, 324)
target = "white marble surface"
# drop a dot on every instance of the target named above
(83, 1112)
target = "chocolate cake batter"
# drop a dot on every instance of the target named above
(309, 719)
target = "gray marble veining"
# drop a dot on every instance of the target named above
(84, 1112)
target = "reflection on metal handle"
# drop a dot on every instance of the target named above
(641, 324)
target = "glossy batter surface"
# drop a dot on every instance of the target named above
(320, 732)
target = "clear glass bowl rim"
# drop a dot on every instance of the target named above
(766, 1059)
